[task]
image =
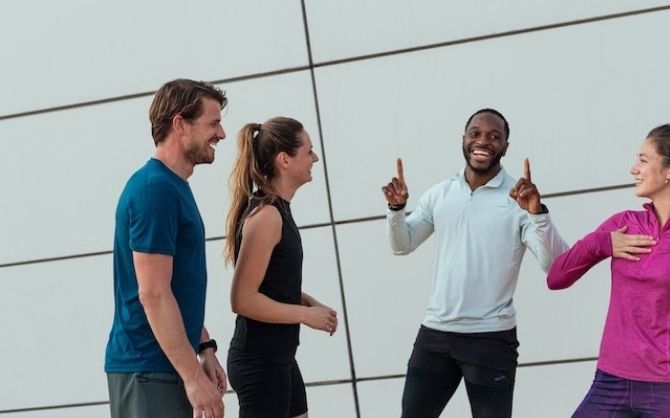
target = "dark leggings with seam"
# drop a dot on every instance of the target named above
(440, 360)
(426, 394)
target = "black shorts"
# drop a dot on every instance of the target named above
(267, 385)
(484, 358)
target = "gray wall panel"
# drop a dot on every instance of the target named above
(56, 319)
(76, 51)
(375, 26)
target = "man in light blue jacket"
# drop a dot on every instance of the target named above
(484, 220)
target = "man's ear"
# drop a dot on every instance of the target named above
(505, 149)
(178, 124)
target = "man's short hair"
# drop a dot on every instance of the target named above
(180, 97)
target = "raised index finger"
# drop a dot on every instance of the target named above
(401, 171)
(526, 169)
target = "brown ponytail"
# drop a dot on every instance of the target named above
(257, 146)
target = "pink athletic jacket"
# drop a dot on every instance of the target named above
(636, 339)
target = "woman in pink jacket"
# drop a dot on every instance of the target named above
(633, 373)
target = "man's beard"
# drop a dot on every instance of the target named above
(197, 155)
(495, 162)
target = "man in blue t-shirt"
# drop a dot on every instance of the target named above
(160, 360)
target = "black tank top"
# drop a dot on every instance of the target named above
(282, 282)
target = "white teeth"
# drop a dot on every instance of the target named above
(479, 152)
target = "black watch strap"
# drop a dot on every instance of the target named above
(544, 209)
(207, 344)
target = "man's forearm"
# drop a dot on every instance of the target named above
(167, 325)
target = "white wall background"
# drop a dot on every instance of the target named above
(580, 83)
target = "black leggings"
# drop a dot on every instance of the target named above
(486, 361)
(427, 393)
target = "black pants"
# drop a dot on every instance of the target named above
(486, 361)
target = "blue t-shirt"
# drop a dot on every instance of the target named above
(156, 213)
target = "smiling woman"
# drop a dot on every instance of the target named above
(274, 159)
(632, 373)
(652, 168)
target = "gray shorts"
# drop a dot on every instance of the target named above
(147, 395)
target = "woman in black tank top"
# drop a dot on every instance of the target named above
(274, 159)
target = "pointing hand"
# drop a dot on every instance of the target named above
(525, 193)
(395, 191)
